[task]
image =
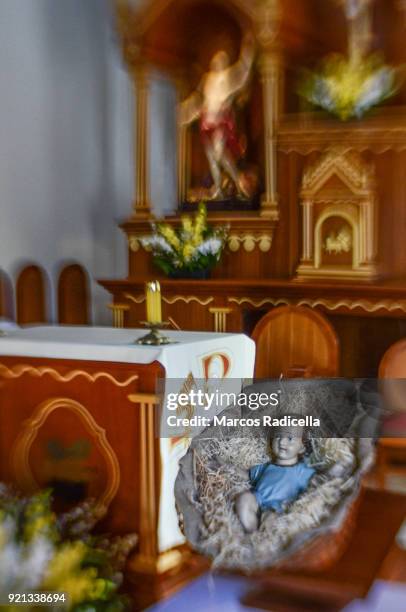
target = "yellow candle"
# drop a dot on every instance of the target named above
(149, 296)
(153, 301)
(158, 303)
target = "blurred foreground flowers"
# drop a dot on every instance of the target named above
(348, 89)
(42, 552)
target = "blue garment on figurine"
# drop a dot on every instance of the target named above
(274, 485)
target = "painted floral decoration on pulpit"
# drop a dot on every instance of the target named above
(41, 553)
(187, 251)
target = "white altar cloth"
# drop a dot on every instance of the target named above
(111, 344)
(228, 357)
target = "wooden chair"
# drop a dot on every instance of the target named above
(73, 296)
(31, 296)
(295, 341)
(392, 367)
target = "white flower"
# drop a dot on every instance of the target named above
(22, 566)
(156, 243)
(212, 246)
(36, 560)
(376, 87)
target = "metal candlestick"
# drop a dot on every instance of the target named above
(154, 337)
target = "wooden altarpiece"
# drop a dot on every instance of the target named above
(310, 163)
(307, 162)
(178, 38)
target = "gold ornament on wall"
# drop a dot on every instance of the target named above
(249, 242)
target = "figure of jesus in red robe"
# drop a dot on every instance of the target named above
(212, 104)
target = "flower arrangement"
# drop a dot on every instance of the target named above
(348, 89)
(192, 247)
(41, 552)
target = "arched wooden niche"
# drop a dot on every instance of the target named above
(338, 199)
(179, 37)
(31, 296)
(6, 297)
(73, 296)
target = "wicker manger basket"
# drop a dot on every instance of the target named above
(314, 548)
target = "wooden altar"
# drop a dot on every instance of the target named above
(80, 412)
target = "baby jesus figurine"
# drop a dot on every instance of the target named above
(275, 484)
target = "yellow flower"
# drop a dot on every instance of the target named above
(39, 520)
(187, 224)
(98, 590)
(66, 575)
(202, 210)
(66, 561)
(80, 587)
(170, 235)
(188, 250)
(3, 537)
(40, 525)
(197, 237)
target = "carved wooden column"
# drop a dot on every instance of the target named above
(267, 27)
(269, 66)
(142, 206)
(307, 230)
(118, 312)
(183, 135)
(128, 26)
(220, 318)
(367, 232)
(148, 559)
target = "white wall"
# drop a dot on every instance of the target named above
(162, 147)
(54, 192)
(66, 150)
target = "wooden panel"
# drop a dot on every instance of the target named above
(73, 296)
(182, 34)
(367, 317)
(293, 337)
(185, 312)
(393, 368)
(31, 296)
(71, 425)
(363, 342)
(248, 261)
(392, 212)
(393, 364)
(283, 257)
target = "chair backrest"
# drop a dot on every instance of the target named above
(393, 363)
(392, 367)
(73, 296)
(31, 296)
(295, 341)
(6, 297)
